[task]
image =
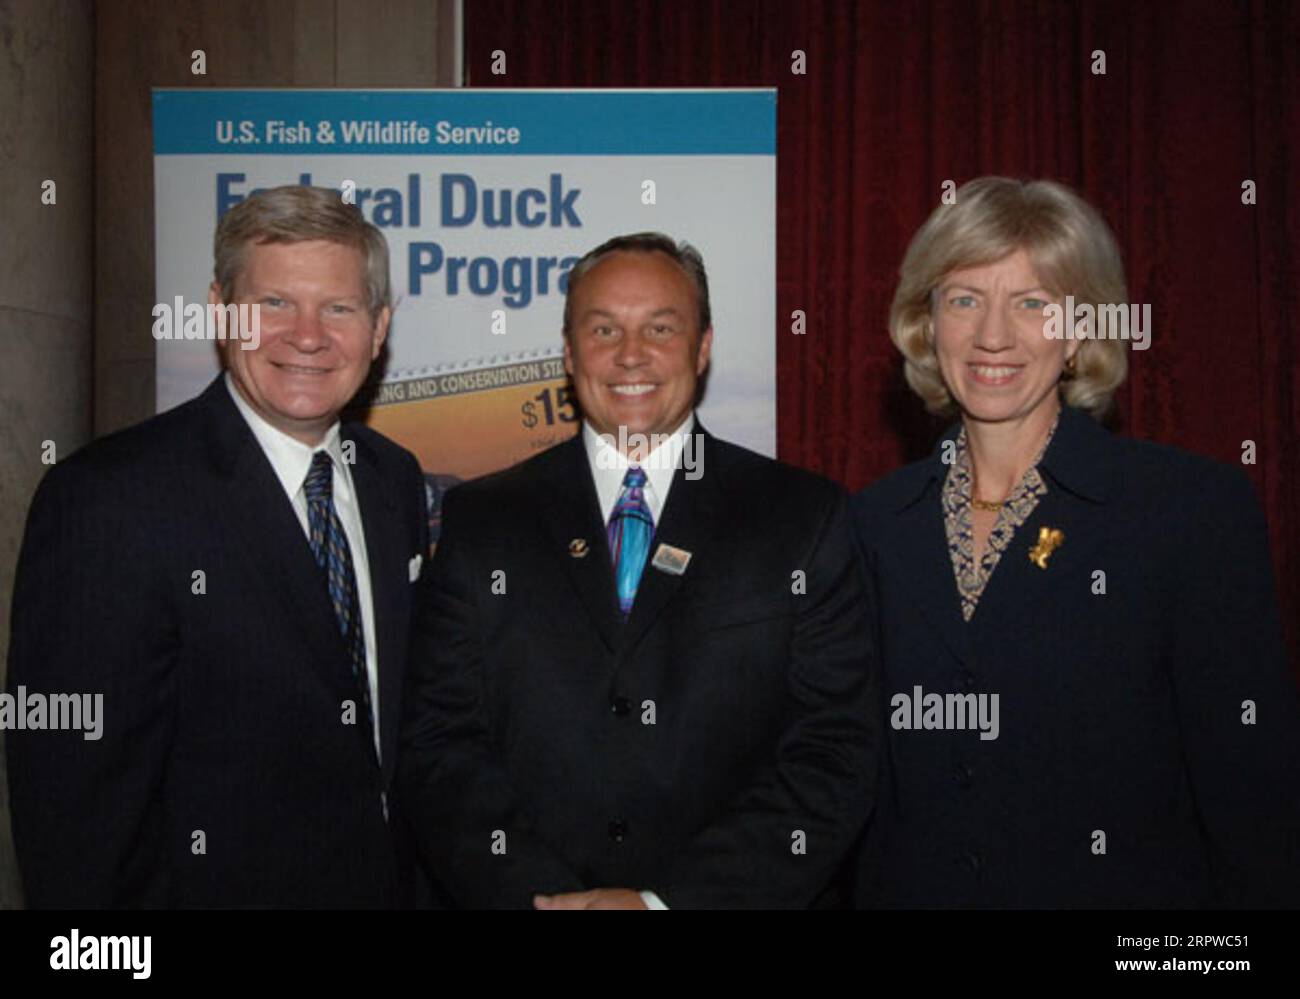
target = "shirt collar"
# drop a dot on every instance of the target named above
(608, 464)
(1076, 458)
(290, 458)
(1080, 456)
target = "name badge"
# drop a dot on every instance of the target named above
(671, 560)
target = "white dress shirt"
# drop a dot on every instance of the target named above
(290, 460)
(608, 466)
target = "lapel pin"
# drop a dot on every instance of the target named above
(671, 560)
(578, 548)
(1049, 539)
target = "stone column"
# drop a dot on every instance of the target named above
(46, 349)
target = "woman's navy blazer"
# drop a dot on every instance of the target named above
(1147, 748)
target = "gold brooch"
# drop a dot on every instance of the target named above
(578, 548)
(1049, 539)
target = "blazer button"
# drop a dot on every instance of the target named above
(963, 679)
(962, 775)
(620, 705)
(617, 830)
(969, 862)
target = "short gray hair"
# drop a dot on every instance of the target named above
(295, 214)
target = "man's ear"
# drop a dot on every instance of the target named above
(704, 351)
(568, 356)
(380, 332)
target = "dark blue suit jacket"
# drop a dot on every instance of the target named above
(531, 759)
(222, 710)
(1120, 713)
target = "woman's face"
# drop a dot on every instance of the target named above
(989, 338)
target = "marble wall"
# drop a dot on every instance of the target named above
(46, 275)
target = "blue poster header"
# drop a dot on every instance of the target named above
(465, 122)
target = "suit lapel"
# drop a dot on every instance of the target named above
(1078, 467)
(914, 546)
(253, 508)
(571, 514)
(1018, 584)
(689, 519)
(386, 556)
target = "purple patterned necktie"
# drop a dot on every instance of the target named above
(630, 529)
(329, 544)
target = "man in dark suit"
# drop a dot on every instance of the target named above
(234, 577)
(641, 674)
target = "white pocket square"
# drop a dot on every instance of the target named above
(413, 567)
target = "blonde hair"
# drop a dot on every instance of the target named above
(1072, 250)
(295, 214)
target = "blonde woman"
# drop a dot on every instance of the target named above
(1089, 703)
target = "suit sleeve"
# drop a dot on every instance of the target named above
(422, 510)
(782, 839)
(1237, 701)
(91, 618)
(867, 863)
(471, 832)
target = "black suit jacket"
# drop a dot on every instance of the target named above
(1120, 713)
(222, 710)
(718, 748)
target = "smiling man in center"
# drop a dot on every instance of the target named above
(634, 687)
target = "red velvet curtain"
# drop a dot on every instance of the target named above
(1197, 98)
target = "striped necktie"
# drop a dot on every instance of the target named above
(630, 529)
(329, 544)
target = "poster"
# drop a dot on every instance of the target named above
(487, 199)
